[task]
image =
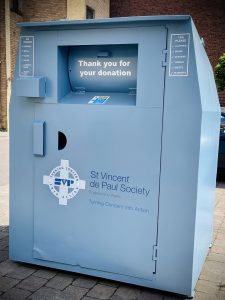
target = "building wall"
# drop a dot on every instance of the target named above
(101, 8)
(3, 82)
(208, 15)
(76, 9)
(43, 10)
(14, 37)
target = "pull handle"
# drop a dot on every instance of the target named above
(62, 140)
(38, 138)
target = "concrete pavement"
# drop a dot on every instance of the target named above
(23, 281)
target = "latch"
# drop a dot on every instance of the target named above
(155, 252)
(164, 60)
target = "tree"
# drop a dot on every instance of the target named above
(220, 73)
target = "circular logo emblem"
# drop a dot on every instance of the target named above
(64, 182)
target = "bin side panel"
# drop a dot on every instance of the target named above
(208, 156)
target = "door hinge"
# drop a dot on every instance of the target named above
(164, 59)
(155, 252)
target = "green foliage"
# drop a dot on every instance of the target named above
(220, 73)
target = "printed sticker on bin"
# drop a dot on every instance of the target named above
(99, 99)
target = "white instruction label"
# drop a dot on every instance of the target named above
(179, 54)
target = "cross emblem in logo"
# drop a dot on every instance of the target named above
(64, 182)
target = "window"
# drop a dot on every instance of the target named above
(90, 13)
(16, 6)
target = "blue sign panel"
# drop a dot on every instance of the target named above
(111, 70)
(179, 54)
(26, 57)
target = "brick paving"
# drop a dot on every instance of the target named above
(24, 281)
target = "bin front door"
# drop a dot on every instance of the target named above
(96, 200)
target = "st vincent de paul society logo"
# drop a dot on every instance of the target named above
(64, 182)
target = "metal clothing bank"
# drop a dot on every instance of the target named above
(114, 140)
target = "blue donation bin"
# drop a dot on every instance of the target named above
(113, 149)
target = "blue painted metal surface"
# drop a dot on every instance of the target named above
(38, 138)
(130, 196)
(33, 87)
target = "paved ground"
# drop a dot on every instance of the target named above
(22, 281)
